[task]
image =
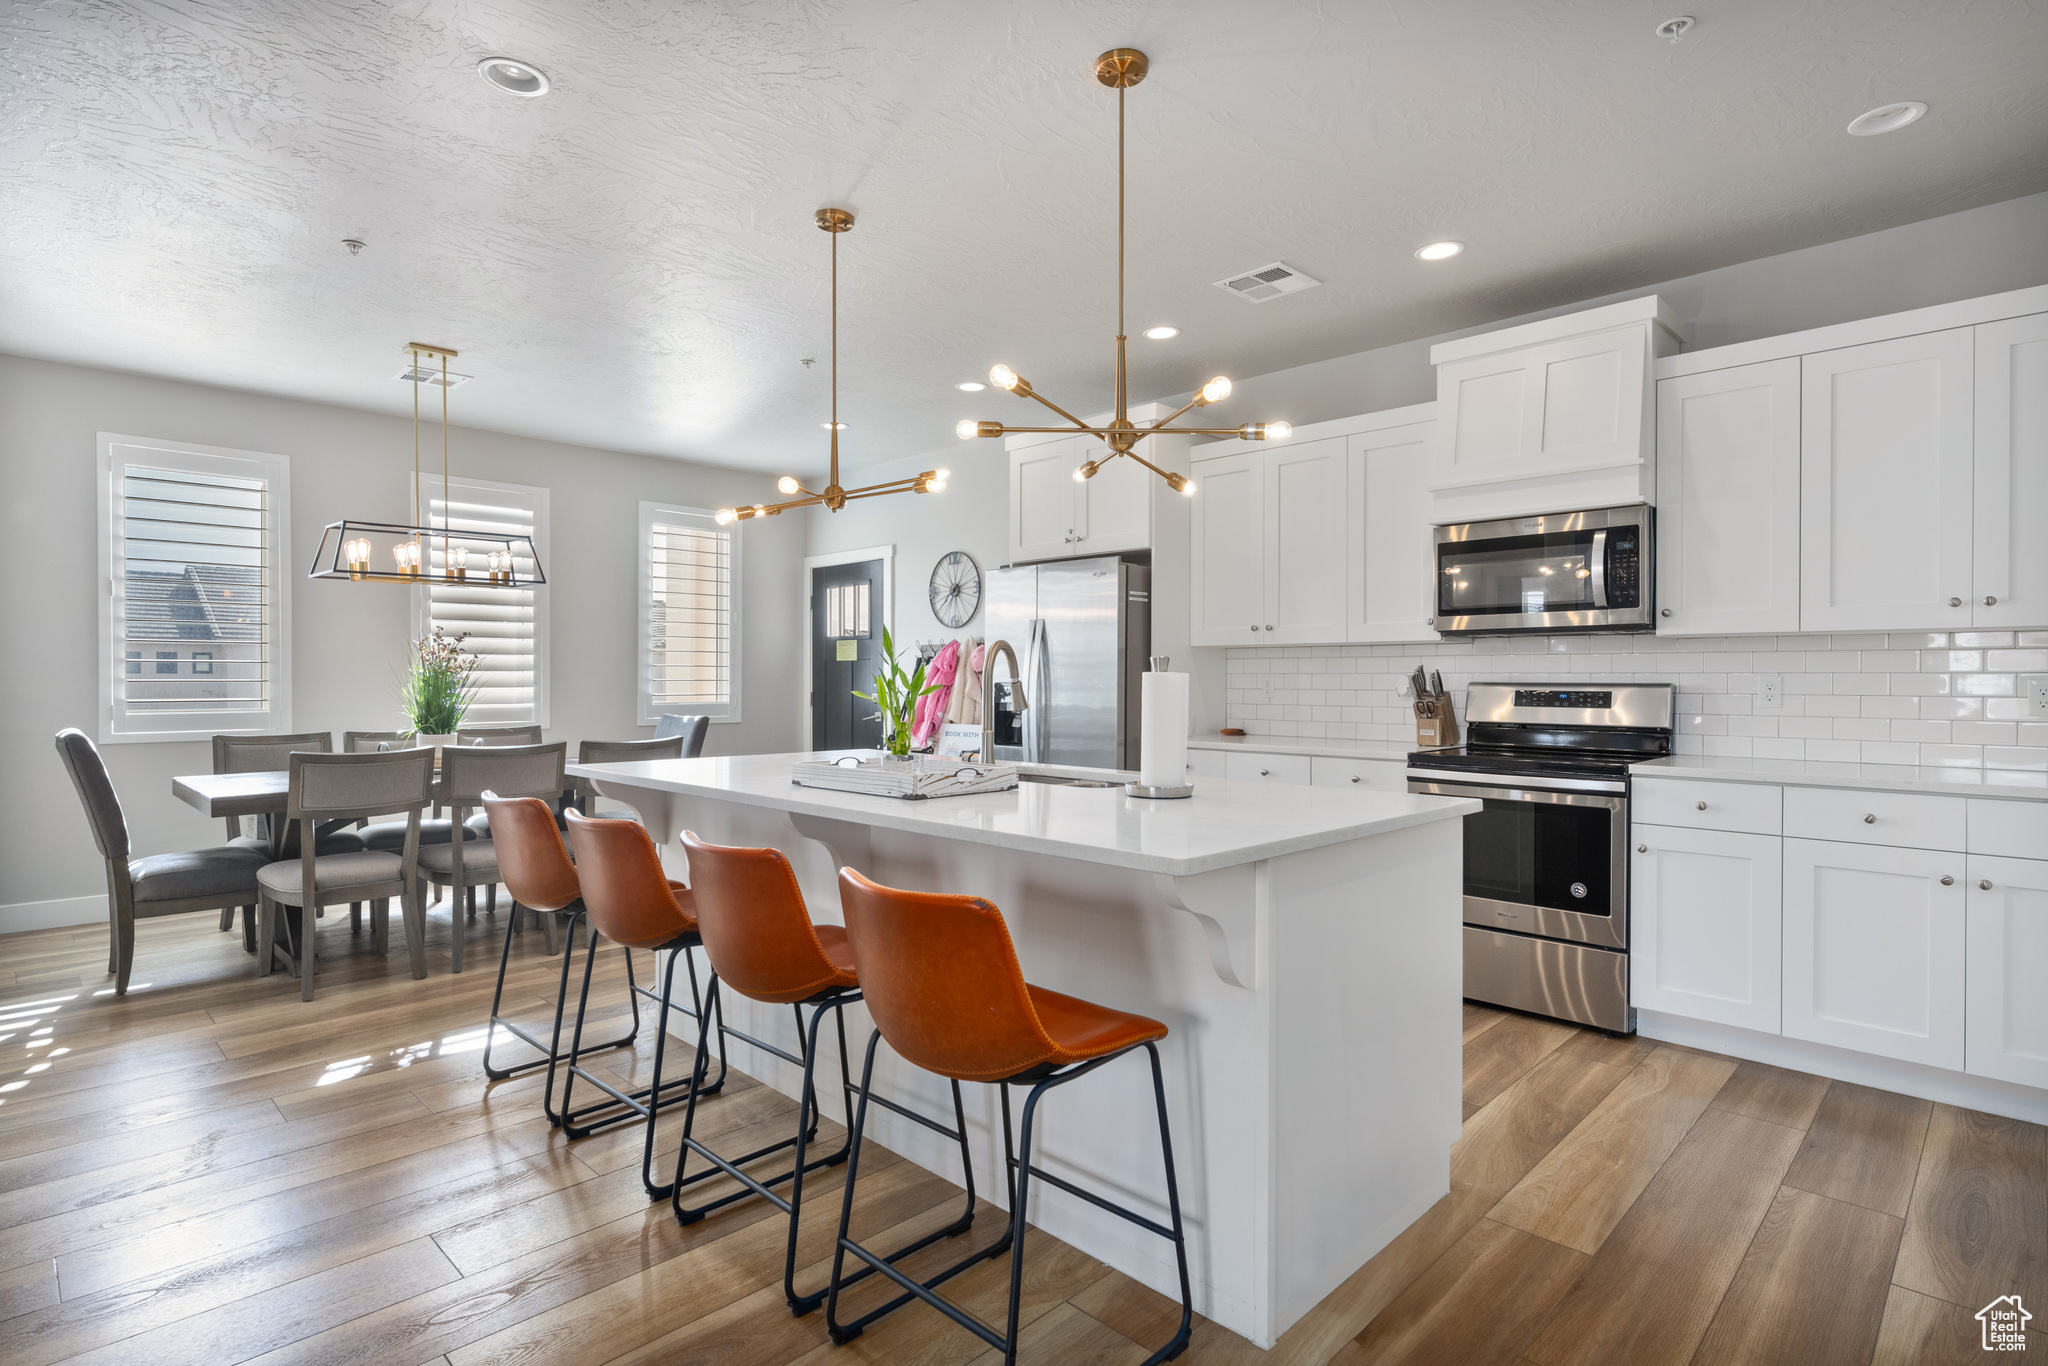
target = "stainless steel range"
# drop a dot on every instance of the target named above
(1546, 861)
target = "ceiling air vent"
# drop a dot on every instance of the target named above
(1267, 283)
(422, 374)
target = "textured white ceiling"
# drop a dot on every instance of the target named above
(630, 261)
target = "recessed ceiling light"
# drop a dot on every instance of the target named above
(1886, 118)
(1162, 333)
(513, 77)
(1439, 251)
(831, 425)
(973, 386)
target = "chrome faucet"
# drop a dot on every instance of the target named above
(988, 694)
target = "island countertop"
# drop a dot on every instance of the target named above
(1224, 824)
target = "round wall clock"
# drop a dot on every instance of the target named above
(956, 589)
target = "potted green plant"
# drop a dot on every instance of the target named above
(439, 684)
(896, 693)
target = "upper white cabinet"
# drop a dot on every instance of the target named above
(1887, 473)
(1389, 540)
(2009, 582)
(1874, 950)
(1055, 516)
(1550, 416)
(1268, 545)
(1728, 480)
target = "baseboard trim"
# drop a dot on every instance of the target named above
(50, 915)
(1988, 1094)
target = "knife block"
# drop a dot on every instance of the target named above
(1435, 732)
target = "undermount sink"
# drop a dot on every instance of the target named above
(1058, 780)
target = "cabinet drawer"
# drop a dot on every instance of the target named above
(2009, 829)
(1749, 808)
(1365, 775)
(1272, 768)
(1907, 820)
(1207, 763)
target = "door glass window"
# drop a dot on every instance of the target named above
(846, 612)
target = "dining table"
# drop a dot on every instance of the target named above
(263, 793)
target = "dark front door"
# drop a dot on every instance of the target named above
(846, 650)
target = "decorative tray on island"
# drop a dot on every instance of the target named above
(913, 778)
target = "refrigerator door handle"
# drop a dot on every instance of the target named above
(1034, 694)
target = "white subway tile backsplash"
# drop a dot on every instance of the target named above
(1916, 697)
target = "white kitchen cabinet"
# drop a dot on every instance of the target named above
(1390, 543)
(1359, 775)
(1055, 516)
(1268, 546)
(1706, 912)
(2008, 969)
(1549, 415)
(1272, 768)
(1305, 525)
(1887, 470)
(1728, 512)
(2009, 583)
(1227, 534)
(1207, 763)
(1874, 950)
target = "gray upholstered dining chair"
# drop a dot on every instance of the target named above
(466, 772)
(691, 728)
(343, 787)
(620, 752)
(223, 876)
(468, 737)
(272, 754)
(374, 741)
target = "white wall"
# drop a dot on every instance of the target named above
(348, 639)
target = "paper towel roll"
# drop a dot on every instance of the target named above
(1163, 758)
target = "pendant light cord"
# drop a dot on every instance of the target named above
(1121, 386)
(416, 499)
(835, 361)
(447, 505)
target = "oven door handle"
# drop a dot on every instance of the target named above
(1569, 792)
(1597, 562)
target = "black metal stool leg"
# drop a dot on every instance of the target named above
(623, 1107)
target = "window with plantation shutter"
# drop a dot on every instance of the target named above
(194, 549)
(689, 614)
(505, 628)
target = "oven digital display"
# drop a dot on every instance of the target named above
(1577, 698)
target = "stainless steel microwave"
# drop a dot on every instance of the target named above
(1567, 571)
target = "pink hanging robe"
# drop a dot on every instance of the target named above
(931, 708)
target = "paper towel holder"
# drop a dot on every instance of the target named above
(1159, 665)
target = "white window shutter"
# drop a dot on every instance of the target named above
(505, 628)
(689, 614)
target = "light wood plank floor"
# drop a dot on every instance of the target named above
(211, 1171)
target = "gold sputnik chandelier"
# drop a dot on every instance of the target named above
(834, 221)
(1120, 69)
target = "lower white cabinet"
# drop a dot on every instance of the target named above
(1207, 763)
(2008, 969)
(1360, 775)
(1272, 768)
(1874, 949)
(1707, 907)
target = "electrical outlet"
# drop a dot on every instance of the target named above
(1265, 687)
(1770, 692)
(2037, 699)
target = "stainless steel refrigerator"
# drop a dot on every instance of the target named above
(1082, 630)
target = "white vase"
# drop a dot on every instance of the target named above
(425, 741)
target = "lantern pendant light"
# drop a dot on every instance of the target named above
(396, 552)
(1120, 69)
(834, 221)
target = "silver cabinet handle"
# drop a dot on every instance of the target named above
(1985, 885)
(1955, 602)
(1703, 806)
(1642, 848)
(1948, 882)
(1870, 820)
(1990, 601)
(1665, 613)
(1354, 777)
(1265, 773)
(1269, 626)
(1429, 621)
(1255, 628)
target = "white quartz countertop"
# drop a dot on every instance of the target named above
(1288, 744)
(2020, 784)
(1224, 824)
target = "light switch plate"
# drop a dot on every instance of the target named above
(1770, 692)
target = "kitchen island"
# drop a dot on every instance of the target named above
(1302, 944)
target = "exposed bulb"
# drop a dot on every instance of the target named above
(1216, 390)
(965, 429)
(1003, 377)
(459, 557)
(1279, 431)
(726, 516)
(787, 484)
(1181, 484)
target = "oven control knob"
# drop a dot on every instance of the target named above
(1870, 820)
(1703, 806)
(1642, 848)
(1948, 882)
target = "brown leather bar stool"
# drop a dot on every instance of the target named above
(759, 937)
(629, 900)
(941, 979)
(538, 871)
